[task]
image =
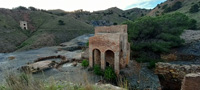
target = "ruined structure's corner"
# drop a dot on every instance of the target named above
(23, 25)
(191, 82)
(109, 47)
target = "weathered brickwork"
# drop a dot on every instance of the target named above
(109, 47)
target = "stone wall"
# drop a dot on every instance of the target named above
(176, 70)
(191, 82)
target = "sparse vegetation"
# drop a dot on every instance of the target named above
(27, 82)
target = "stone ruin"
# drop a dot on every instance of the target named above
(109, 47)
(191, 82)
(23, 25)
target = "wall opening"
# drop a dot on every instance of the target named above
(24, 28)
(109, 58)
(96, 57)
(121, 59)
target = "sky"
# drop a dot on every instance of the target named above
(88, 5)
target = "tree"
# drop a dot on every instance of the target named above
(32, 8)
(151, 36)
(194, 8)
(21, 8)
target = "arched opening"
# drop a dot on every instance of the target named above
(24, 28)
(96, 57)
(109, 58)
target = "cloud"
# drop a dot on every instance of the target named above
(70, 5)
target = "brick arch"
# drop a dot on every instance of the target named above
(109, 58)
(96, 56)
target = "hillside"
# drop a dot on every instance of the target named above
(44, 29)
(106, 17)
(47, 28)
(183, 6)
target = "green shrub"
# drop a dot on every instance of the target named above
(194, 8)
(97, 70)
(109, 74)
(85, 63)
(168, 9)
(152, 63)
(87, 44)
(61, 22)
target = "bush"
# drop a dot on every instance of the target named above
(32, 8)
(194, 8)
(165, 6)
(97, 70)
(61, 22)
(85, 63)
(109, 74)
(157, 34)
(87, 44)
(177, 5)
(152, 63)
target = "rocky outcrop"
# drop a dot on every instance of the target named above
(140, 77)
(38, 66)
(191, 36)
(191, 82)
(176, 70)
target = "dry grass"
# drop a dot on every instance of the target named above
(22, 81)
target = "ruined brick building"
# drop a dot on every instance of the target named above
(23, 25)
(109, 47)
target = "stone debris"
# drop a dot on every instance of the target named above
(74, 64)
(38, 66)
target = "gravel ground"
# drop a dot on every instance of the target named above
(66, 72)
